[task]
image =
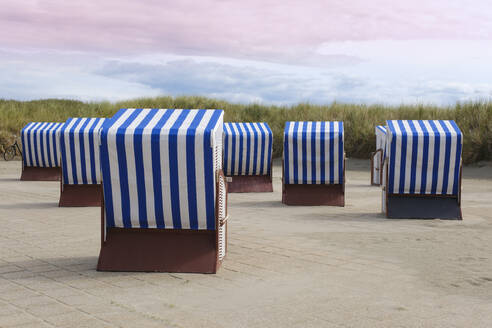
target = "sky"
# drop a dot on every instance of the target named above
(257, 51)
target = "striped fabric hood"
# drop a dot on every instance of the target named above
(79, 145)
(159, 168)
(424, 157)
(313, 153)
(247, 148)
(40, 145)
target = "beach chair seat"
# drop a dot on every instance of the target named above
(165, 195)
(40, 151)
(313, 165)
(81, 169)
(422, 169)
(248, 157)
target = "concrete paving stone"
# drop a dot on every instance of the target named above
(287, 266)
(16, 319)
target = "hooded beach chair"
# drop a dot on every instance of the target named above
(248, 157)
(165, 196)
(422, 170)
(313, 170)
(40, 151)
(377, 157)
(81, 168)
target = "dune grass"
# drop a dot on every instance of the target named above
(473, 118)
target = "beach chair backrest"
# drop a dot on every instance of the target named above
(40, 146)
(424, 157)
(247, 148)
(159, 168)
(313, 153)
(79, 147)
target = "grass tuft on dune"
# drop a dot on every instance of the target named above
(473, 118)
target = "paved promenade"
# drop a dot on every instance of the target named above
(286, 266)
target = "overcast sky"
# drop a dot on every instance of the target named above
(281, 52)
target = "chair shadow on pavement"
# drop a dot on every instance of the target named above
(28, 206)
(61, 268)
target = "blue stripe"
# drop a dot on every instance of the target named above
(270, 142)
(340, 152)
(64, 152)
(332, 152)
(262, 140)
(240, 168)
(41, 142)
(140, 170)
(71, 138)
(403, 158)
(286, 153)
(209, 171)
(413, 166)
(48, 152)
(190, 169)
(226, 150)
(92, 152)
(83, 169)
(55, 150)
(425, 157)
(435, 167)
(391, 178)
(173, 168)
(304, 153)
(29, 145)
(123, 169)
(233, 153)
(248, 146)
(447, 157)
(457, 158)
(294, 153)
(322, 153)
(255, 147)
(156, 168)
(35, 144)
(106, 170)
(313, 152)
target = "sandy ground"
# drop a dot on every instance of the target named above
(286, 266)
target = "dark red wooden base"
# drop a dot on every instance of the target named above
(159, 250)
(313, 194)
(40, 173)
(250, 183)
(80, 195)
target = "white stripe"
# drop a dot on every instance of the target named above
(236, 168)
(452, 160)
(336, 153)
(420, 155)
(328, 155)
(183, 168)
(97, 143)
(114, 168)
(200, 174)
(87, 150)
(244, 149)
(251, 147)
(66, 140)
(318, 151)
(309, 174)
(290, 143)
(397, 155)
(165, 181)
(408, 162)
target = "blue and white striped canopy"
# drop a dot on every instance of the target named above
(313, 153)
(159, 168)
(247, 148)
(79, 145)
(380, 129)
(424, 157)
(40, 146)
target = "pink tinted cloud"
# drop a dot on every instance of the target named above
(245, 29)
